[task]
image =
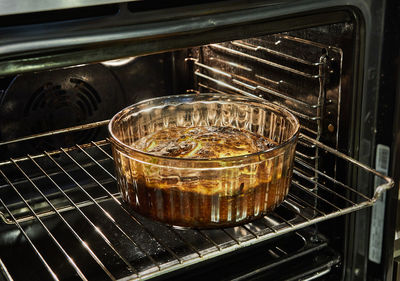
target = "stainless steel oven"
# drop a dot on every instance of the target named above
(67, 67)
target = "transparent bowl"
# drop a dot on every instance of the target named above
(204, 193)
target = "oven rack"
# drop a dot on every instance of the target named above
(132, 247)
(283, 69)
(252, 87)
(229, 67)
(302, 207)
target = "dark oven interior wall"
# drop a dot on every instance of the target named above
(32, 103)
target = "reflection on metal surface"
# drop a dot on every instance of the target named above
(26, 6)
(263, 61)
(317, 275)
(118, 62)
(146, 32)
(48, 268)
(4, 271)
(396, 269)
(57, 132)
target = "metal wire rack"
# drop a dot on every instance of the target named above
(69, 199)
(282, 69)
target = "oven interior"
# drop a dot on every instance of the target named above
(61, 211)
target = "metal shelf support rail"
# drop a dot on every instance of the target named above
(240, 78)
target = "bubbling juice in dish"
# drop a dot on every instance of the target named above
(203, 142)
(239, 195)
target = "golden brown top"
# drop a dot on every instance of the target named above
(203, 142)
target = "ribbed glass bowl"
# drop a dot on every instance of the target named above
(204, 193)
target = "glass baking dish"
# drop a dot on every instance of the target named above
(204, 193)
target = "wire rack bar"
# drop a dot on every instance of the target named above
(286, 221)
(231, 236)
(236, 65)
(77, 236)
(389, 183)
(312, 193)
(96, 162)
(57, 132)
(212, 89)
(114, 199)
(307, 156)
(250, 231)
(61, 209)
(205, 235)
(299, 161)
(305, 203)
(258, 86)
(36, 251)
(24, 158)
(264, 61)
(4, 271)
(95, 202)
(246, 93)
(190, 245)
(297, 173)
(256, 48)
(309, 43)
(225, 85)
(285, 205)
(95, 227)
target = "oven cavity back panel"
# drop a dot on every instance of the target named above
(40, 102)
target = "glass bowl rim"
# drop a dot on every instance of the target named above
(114, 140)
